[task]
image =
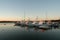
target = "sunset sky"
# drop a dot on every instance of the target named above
(15, 9)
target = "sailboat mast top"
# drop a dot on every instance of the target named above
(24, 15)
(46, 15)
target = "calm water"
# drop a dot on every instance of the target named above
(10, 32)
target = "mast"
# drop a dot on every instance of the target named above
(46, 15)
(37, 18)
(37, 21)
(24, 15)
(46, 19)
(28, 18)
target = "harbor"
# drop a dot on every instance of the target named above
(9, 31)
(44, 25)
(29, 19)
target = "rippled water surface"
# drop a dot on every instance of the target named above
(10, 32)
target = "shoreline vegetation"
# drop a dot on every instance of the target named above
(30, 20)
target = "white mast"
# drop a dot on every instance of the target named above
(46, 15)
(37, 18)
(24, 15)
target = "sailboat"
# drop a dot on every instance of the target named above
(36, 24)
(17, 23)
(31, 24)
(21, 23)
(44, 25)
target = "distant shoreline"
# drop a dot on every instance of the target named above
(18, 21)
(8, 21)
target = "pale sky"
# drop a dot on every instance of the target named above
(14, 9)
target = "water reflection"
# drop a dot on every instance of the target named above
(38, 30)
(11, 32)
(12, 27)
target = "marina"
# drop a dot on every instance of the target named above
(44, 25)
(29, 19)
(9, 31)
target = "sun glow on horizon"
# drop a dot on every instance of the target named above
(27, 18)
